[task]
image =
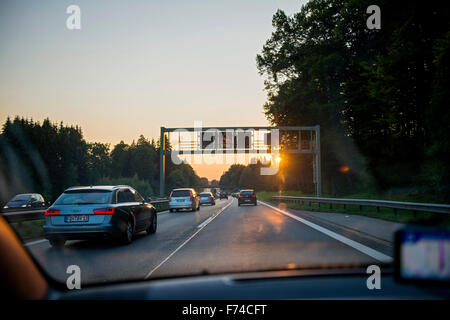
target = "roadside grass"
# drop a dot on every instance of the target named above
(28, 230)
(402, 216)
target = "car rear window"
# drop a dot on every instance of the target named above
(84, 197)
(205, 194)
(247, 193)
(181, 193)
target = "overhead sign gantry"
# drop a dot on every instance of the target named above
(205, 143)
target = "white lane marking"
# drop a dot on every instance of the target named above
(356, 245)
(35, 242)
(184, 243)
(162, 212)
(204, 222)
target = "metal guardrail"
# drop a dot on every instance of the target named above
(158, 202)
(396, 205)
(29, 215)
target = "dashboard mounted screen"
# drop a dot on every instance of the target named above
(423, 255)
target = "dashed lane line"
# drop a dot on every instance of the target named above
(185, 242)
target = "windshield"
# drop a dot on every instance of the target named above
(317, 128)
(21, 197)
(84, 197)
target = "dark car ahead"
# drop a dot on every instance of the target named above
(116, 212)
(25, 201)
(247, 197)
(223, 195)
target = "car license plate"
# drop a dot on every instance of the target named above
(77, 218)
(180, 200)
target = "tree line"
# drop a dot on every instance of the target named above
(47, 158)
(294, 172)
(381, 96)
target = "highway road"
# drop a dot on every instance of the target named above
(216, 239)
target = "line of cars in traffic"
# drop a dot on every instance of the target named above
(188, 199)
(114, 212)
(117, 212)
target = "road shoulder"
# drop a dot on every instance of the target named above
(377, 236)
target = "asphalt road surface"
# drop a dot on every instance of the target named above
(216, 239)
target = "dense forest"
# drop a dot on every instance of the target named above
(47, 158)
(381, 96)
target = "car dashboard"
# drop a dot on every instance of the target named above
(259, 286)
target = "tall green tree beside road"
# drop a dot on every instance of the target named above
(437, 117)
(98, 160)
(204, 182)
(239, 176)
(43, 157)
(378, 95)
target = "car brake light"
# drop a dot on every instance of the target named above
(254, 196)
(52, 212)
(104, 211)
(211, 197)
(240, 196)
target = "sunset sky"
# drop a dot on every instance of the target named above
(136, 65)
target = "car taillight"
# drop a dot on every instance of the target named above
(104, 211)
(211, 197)
(52, 212)
(254, 196)
(239, 196)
